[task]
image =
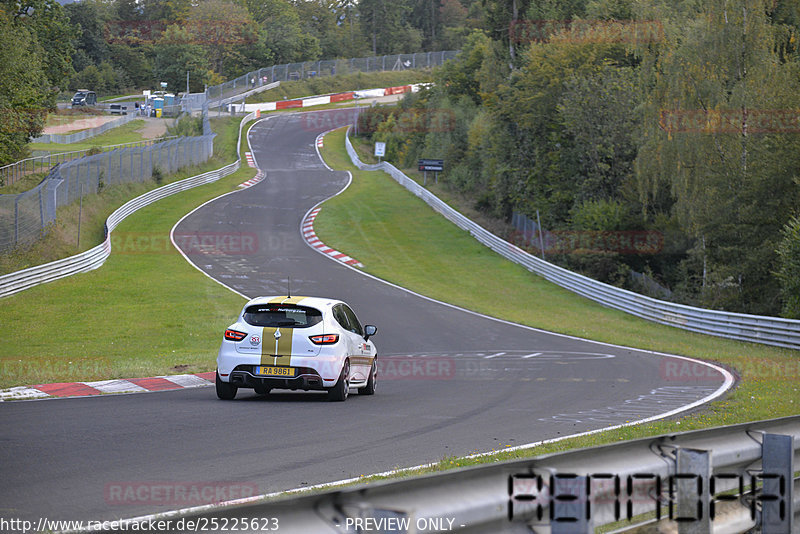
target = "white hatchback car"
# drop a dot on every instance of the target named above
(306, 343)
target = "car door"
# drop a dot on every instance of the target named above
(350, 341)
(363, 350)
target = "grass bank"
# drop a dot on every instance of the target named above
(400, 239)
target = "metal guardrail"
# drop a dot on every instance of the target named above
(95, 257)
(754, 328)
(242, 96)
(727, 479)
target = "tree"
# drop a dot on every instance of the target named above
(461, 77)
(789, 268)
(89, 23)
(166, 11)
(23, 92)
(425, 16)
(597, 113)
(385, 24)
(282, 33)
(49, 24)
(504, 18)
(332, 25)
(717, 140)
(175, 55)
(224, 30)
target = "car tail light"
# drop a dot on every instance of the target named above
(324, 339)
(234, 335)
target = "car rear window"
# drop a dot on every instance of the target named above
(282, 315)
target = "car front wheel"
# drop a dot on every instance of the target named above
(369, 389)
(225, 391)
(340, 391)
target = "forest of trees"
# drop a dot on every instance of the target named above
(118, 46)
(679, 118)
(675, 117)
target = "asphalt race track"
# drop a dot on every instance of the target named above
(452, 382)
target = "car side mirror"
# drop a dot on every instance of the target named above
(369, 331)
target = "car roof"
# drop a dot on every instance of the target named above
(320, 303)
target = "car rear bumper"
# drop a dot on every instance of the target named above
(317, 372)
(306, 379)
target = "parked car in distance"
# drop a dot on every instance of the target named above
(84, 97)
(305, 343)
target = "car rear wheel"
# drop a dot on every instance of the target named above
(340, 391)
(369, 389)
(225, 391)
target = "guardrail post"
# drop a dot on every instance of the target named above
(16, 220)
(41, 208)
(692, 478)
(568, 505)
(777, 457)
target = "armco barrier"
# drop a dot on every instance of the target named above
(728, 479)
(95, 257)
(755, 328)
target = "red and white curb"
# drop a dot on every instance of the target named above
(254, 180)
(105, 387)
(250, 160)
(320, 141)
(312, 239)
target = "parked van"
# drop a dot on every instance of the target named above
(84, 97)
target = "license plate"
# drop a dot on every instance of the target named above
(275, 371)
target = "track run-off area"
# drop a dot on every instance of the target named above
(452, 382)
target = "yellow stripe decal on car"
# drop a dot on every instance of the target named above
(286, 300)
(276, 351)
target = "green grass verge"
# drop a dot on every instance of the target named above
(128, 318)
(340, 83)
(400, 239)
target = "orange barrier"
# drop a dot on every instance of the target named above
(342, 97)
(287, 104)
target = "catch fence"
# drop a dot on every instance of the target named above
(25, 217)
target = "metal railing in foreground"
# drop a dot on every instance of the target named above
(755, 328)
(728, 479)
